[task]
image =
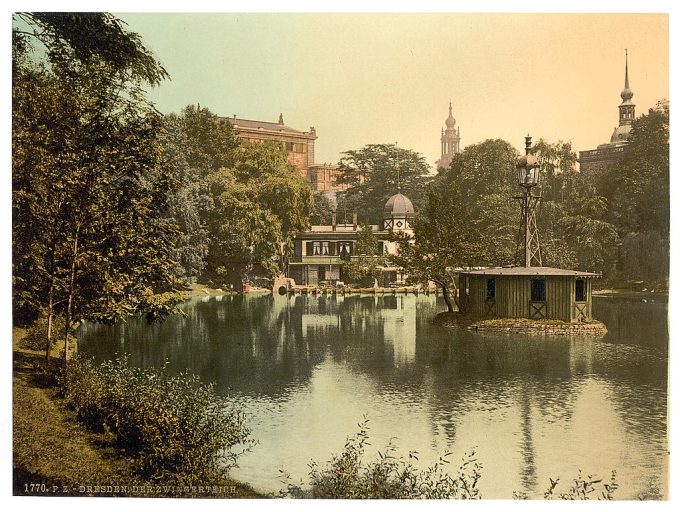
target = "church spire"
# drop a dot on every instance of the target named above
(626, 112)
(627, 93)
(450, 140)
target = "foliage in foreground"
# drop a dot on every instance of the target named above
(389, 477)
(347, 476)
(174, 427)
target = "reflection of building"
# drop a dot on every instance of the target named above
(450, 141)
(606, 154)
(321, 252)
(298, 145)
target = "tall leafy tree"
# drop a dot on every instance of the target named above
(638, 194)
(259, 204)
(195, 144)
(88, 184)
(469, 218)
(374, 173)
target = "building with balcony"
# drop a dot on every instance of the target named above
(321, 252)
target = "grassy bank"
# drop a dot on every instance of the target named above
(53, 454)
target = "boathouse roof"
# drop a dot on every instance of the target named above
(529, 271)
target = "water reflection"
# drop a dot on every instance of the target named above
(308, 368)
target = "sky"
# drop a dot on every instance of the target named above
(388, 78)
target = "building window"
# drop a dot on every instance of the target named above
(490, 289)
(538, 290)
(316, 248)
(324, 248)
(288, 146)
(344, 249)
(580, 290)
(298, 147)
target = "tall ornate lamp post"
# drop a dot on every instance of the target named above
(528, 248)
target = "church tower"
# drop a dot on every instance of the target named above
(626, 113)
(450, 141)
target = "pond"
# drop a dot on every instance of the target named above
(307, 369)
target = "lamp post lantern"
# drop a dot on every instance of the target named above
(528, 251)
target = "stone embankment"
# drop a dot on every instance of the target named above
(523, 325)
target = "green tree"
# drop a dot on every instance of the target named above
(637, 191)
(365, 266)
(572, 217)
(374, 173)
(322, 210)
(469, 218)
(259, 204)
(88, 187)
(72, 40)
(195, 144)
(637, 187)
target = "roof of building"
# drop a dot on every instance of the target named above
(529, 271)
(398, 206)
(251, 125)
(621, 134)
(450, 121)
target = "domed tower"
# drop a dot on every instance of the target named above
(398, 212)
(450, 140)
(626, 113)
(397, 215)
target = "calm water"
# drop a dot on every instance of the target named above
(309, 368)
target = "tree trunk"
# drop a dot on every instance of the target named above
(50, 316)
(50, 305)
(445, 292)
(71, 286)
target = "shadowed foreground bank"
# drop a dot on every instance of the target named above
(54, 455)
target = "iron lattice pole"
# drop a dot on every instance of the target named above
(528, 252)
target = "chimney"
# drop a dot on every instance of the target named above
(334, 220)
(354, 220)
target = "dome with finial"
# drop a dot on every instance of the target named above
(450, 121)
(398, 206)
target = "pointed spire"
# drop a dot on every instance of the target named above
(627, 93)
(450, 108)
(281, 118)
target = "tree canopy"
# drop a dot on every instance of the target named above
(374, 173)
(88, 184)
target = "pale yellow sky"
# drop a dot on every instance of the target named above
(372, 78)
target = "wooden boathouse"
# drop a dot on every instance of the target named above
(539, 293)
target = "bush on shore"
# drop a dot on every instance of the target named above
(174, 427)
(388, 477)
(346, 475)
(36, 334)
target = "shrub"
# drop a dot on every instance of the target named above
(174, 426)
(584, 488)
(388, 477)
(36, 334)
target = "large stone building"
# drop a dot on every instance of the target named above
(299, 146)
(614, 150)
(450, 141)
(321, 252)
